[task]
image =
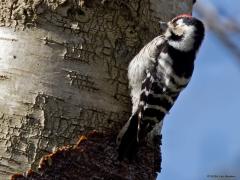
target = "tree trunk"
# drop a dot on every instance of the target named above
(63, 70)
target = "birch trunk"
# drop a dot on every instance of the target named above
(63, 70)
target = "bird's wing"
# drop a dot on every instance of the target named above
(129, 135)
(153, 104)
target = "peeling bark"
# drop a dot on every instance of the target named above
(63, 71)
(79, 161)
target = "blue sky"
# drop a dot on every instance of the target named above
(201, 135)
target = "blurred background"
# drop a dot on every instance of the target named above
(201, 135)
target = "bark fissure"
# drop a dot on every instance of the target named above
(63, 72)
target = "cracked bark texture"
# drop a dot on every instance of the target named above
(63, 72)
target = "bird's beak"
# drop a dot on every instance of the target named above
(162, 22)
(163, 25)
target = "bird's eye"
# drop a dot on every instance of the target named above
(174, 23)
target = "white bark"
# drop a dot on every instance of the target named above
(63, 70)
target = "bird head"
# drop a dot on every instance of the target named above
(185, 32)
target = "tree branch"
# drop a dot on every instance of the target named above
(221, 28)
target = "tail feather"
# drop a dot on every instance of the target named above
(128, 138)
(141, 122)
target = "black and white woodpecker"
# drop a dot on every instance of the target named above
(157, 74)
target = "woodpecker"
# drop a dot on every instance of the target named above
(157, 74)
